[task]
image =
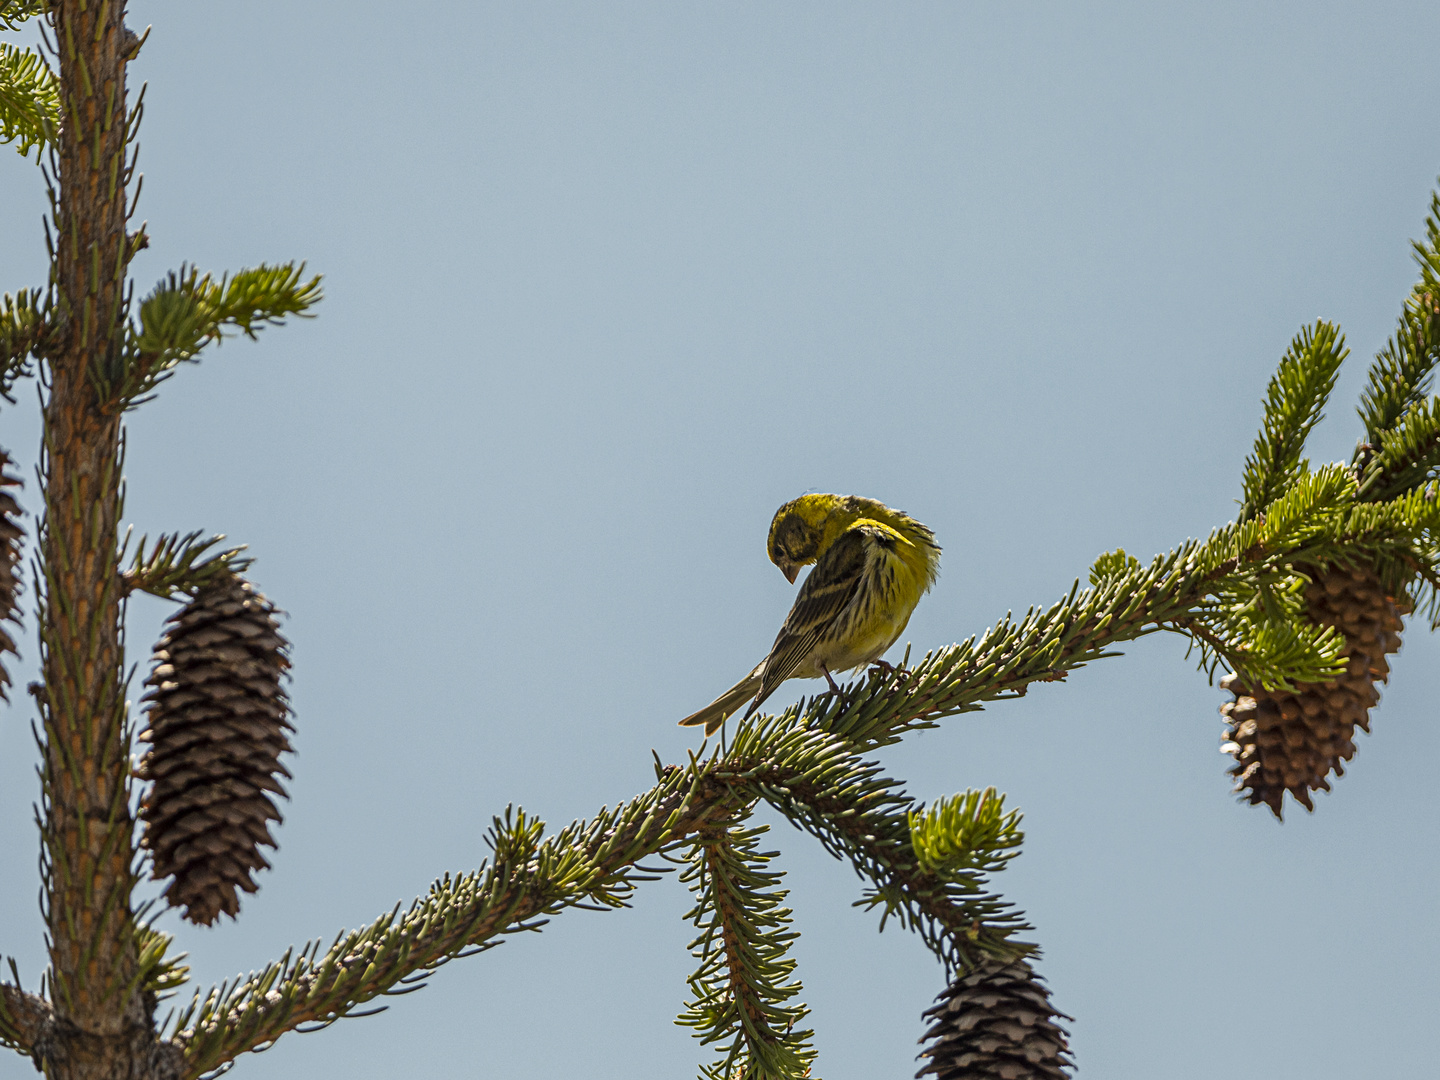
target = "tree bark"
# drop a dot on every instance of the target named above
(102, 1028)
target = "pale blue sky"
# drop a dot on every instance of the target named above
(607, 283)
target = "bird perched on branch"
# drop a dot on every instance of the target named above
(872, 565)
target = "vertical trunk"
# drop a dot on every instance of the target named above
(103, 1026)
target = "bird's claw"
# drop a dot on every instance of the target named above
(887, 669)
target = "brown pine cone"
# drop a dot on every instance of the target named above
(1292, 741)
(996, 1023)
(218, 724)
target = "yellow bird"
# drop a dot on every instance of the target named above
(872, 565)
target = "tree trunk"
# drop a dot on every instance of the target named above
(102, 1026)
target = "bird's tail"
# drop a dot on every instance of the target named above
(714, 714)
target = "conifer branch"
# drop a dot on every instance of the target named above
(24, 335)
(14, 13)
(188, 310)
(810, 775)
(29, 97)
(1401, 375)
(744, 984)
(592, 863)
(1294, 404)
(806, 762)
(823, 788)
(160, 973)
(24, 1017)
(180, 566)
(1409, 454)
(967, 832)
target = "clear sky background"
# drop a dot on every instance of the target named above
(607, 283)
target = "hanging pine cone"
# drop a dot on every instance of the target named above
(218, 721)
(1291, 742)
(11, 536)
(996, 1023)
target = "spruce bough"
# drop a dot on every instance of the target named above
(1240, 596)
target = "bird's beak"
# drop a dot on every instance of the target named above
(791, 572)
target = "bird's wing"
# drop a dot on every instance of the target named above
(827, 590)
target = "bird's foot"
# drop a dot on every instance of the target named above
(899, 672)
(828, 678)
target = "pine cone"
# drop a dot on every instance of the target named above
(11, 536)
(1292, 741)
(996, 1023)
(218, 722)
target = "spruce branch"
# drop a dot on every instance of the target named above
(1409, 454)
(29, 97)
(967, 832)
(1112, 564)
(812, 776)
(1427, 252)
(824, 788)
(743, 986)
(597, 863)
(807, 763)
(589, 864)
(178, 565)
(1317, 522)
(1277, 655)
(1401, 374)
(1364, 550)
(24, 334)
(160, 973)
(1294, 404)
(187, 311)
(1252, 620)
(25, 1018)
(14, 13)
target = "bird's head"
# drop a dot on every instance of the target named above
(803, 528)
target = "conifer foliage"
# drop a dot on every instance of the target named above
(1295, 737)
(1301, 597)
(743, 988)
(1294, 740)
